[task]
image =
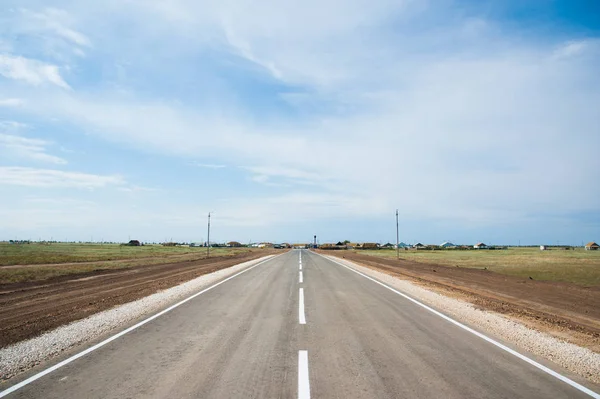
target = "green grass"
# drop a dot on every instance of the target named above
(575, 266)
(29, 262)
(35, 254)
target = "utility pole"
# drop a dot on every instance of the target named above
(397, 237)
(208, 239)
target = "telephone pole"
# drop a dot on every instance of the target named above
(208, 239)
(397, 237)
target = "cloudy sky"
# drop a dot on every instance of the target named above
(477, 120)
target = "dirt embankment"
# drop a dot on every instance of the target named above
(29, 309)
(564, 310)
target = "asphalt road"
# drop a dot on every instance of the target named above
(258, 336)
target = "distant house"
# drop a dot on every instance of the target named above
(591, 246)
(418, 245)
(388, 245)
(447, 245)
(370, 245)
(134, 243)
(543, 247)
(234, 244)
(480, 245)
(403, 245)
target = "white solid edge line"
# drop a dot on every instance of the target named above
(120, 334)
(480, 335)
(301, 278)
(301, 315)
(303, 380)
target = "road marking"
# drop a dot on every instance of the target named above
(300, 266)
(303, 381)
(480, 335)
(118, 335)
(301, 278)
(301, 315)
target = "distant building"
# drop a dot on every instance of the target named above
(447, 245)
(403, 245)
(234, 244)
(263, 245)
(370, 245)
(480, 245)
(134, 243)
(591, 246)
(543, 247)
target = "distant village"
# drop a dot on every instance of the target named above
(341, 245)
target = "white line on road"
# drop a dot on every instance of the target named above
(301, 315)
(301, 278)
(300, 266)
(303, 381)
(480, 335)
(118, 335)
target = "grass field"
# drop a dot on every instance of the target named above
(578, 266)
(27, 262)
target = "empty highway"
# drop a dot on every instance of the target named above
(297, 326)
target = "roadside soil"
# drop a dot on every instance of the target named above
(31, 308)
(564, 310)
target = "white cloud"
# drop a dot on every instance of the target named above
(289, 176)
(31, 71)
(32, 149)
(571, 49)
(56, 21)
(208, 165)
(53, 32)
(456, 119)
(469, 139)
(137, 189)
(50, 178)
(11, 102)
(11, 125)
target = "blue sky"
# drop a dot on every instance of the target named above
(479, 121)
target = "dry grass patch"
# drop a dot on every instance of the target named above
(34, 262)
(575, 266)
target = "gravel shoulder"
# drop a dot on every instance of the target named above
(22, 356)
(578, 360)
(29, 309)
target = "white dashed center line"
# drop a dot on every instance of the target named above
(301, 315)
(303, 381)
